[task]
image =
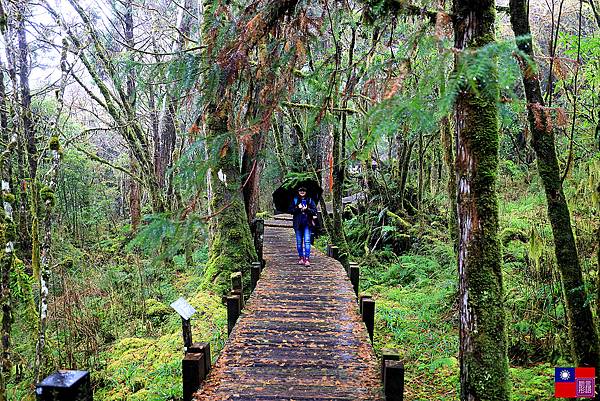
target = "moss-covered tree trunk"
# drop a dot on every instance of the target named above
(8, 234)
(231, 248)
(447, 144)
(584, 338)
(483, 350)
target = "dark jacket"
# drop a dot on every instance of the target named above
(301, 217)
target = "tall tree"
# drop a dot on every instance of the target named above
(483, 350)
(585, 347)
(7, 237)
(135, 208)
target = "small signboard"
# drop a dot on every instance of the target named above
(184, 309)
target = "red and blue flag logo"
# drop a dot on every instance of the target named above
(574, 382)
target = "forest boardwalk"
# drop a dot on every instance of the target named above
(300, 336)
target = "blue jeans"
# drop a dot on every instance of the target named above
(303, 235)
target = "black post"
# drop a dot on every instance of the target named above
(350, 267)
(360, 301)
(259, 233)
(233, 311)
(186, 328)
(388, 354)
(368, 314)
(193, 372)
(393, 381)
(65, 385)
(355, 277)
(255, 273)
(204, 349)
(237, 286)
(335, 252)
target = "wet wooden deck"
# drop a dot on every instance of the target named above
(300, 336)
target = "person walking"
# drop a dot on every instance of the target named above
(303, 209)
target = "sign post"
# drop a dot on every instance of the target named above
(186, 311)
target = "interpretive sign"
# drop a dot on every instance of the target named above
(184, 309)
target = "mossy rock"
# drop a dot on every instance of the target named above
(157, 309)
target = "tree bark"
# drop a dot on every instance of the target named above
(231, 248)
(27, 120)
(135, 209)
(483, 350)
(7, 238)
(584, 337)
(447, 144)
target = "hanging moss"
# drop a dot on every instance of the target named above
(47, 195)
(11, 231)
(54, 143)
(8, 197)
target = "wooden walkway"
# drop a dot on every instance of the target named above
(300, 336)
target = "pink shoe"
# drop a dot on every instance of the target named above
(306, 262)
(301, 260)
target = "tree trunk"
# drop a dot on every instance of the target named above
(483, 350)
(28, 128)
(134, 187)
(232, 248)
(406, 155)
(420, 183)
(251, 169)
(584, 338)
(7, 238)
(451, 184)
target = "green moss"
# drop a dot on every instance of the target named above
(512, 234)
(47, 196)
(68, 263)
(232, 247)
(11, 231)
(156, 308)
(54, 143)
(8, 197)
(150, 368)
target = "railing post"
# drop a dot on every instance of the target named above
(393, 380)
(193, 372)
(354, 272)
(259, 233)
(237, 286)
(360, 301)
(204, 349)
(388, 354)
(350, 265)
(335, 252)
(65, 385)
(233, 311)
(368, 315)
(255, 269)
